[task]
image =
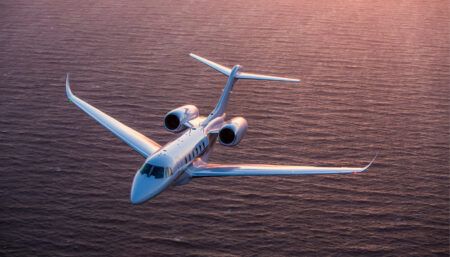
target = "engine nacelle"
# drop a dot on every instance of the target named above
(233, 132)
(174, 120)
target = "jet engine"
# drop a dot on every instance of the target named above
(233, 132)
(175, 120)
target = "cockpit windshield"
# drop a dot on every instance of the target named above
(156, 171)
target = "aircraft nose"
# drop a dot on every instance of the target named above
(136, 196)
(141, 189)
(145, 187)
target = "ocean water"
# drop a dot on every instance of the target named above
(375, 78)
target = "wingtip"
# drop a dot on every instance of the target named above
(370, 163)
(68, 90)
(292, 80)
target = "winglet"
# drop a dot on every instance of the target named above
(68, 91)
(370, 163)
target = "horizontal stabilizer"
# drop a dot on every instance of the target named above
(245, 75)
(239, 75)
(222, 69)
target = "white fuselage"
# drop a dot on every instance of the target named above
(184, 150)
(175, 158)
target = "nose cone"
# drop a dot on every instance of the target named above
(146, 187)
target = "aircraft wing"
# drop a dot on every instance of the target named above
(136, 140)
(220, 170)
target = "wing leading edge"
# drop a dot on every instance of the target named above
(142, 144)
(219, 170)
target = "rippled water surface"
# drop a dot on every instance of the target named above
(375, 78)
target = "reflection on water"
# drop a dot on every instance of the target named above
(375, 77)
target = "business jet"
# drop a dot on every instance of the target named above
(186, 157)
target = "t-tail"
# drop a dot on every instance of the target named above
(233, 75)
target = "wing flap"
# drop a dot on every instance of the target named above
(136, 140)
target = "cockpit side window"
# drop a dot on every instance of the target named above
(147, 169)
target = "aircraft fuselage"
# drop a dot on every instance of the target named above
(174, 158)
